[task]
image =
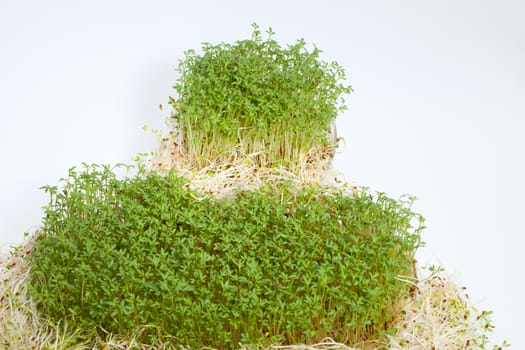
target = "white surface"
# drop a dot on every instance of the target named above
(438, 112)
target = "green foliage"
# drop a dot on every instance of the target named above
(149, 256)
(255, 96)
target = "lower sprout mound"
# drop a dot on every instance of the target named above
(116, 267)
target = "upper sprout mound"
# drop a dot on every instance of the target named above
(257, 99)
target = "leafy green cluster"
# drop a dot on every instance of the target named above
(255, 96)
(148, 255)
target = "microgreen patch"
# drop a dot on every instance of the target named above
(257, 97)
(149, 255)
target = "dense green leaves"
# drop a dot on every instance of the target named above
(148, 255)
(256, 96)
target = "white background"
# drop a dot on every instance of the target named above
(438, 109)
